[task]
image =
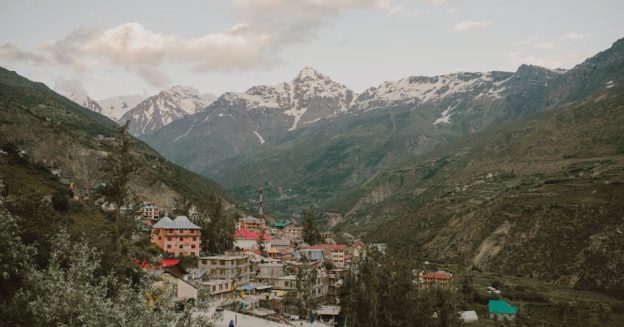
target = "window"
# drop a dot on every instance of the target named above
(192, 246)
(168, 238)
(204, 261)
(194, 239)
(180, 246)
(168, 246)
(180, 238)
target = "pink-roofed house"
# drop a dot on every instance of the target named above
(244, 239)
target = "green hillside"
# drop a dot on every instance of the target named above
(315, 164)
(55, 132)
(543, 197)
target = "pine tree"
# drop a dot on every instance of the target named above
(217, 226)
(119, 167)
(311, 234)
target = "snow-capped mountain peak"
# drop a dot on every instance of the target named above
(163, 108)
(421, 89)
(115, 107)
(309, 97)
(309, 73)
(85, 101)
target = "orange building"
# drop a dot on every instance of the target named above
(439, 278)
(252, 224)
(179, 236)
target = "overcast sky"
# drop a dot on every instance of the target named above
(126, 47)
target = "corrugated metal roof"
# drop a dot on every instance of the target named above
(164, 223)
(181, 222)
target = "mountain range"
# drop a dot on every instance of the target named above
(146, 114)
(517, 172)
(312, 138)
(159, 110)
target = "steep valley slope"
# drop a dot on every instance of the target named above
(542, 197)
(54, 132)
(312, 139)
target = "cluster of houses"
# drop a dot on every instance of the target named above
(262, 274)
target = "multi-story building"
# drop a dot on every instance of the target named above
(179, 236)
(150, 213)
(286, 283)
(269, 272)
(317, 288)
(217, 288)
(293, 233)
(252, 224)
(244, 239)
(438, 278)
(232, 266)
(334, 253)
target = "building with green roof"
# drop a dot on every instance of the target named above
(281, 224)
(502, 309)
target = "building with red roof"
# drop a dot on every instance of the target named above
(244, 239)
(438, 278)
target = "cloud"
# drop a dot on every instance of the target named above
(289, 21)
(437, 2)
(546, 45)
(402, 11)
(152, 76)
(468, 24)
(556, 60)
(265, 27)
(71, 88)
(67, 51)
(574, 36)
(10, 52)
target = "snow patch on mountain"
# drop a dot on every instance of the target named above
(83, 100)
(259, 137)
(115, 107)
(162, 109)
(419, 89)
(445, 115)
(310, 96)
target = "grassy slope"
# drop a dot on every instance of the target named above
(53, 128)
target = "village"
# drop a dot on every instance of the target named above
(271, 276)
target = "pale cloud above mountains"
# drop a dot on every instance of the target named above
(231, 45)
(470, 24)
(266, 27)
